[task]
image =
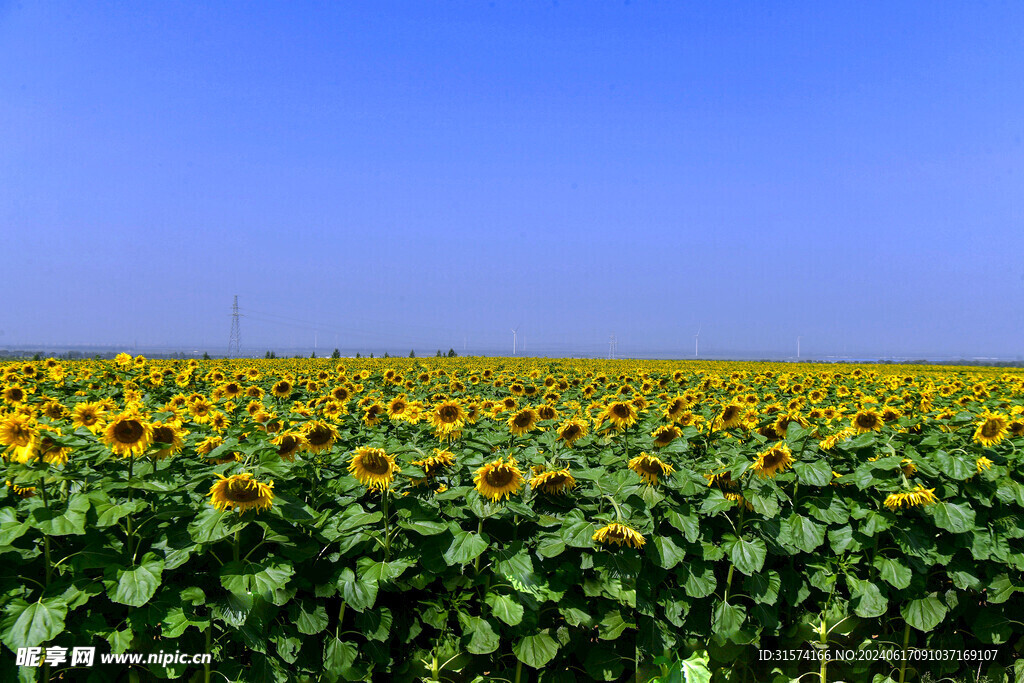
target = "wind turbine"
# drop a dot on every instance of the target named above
(696, 340)
(514, 330)
(798, 347)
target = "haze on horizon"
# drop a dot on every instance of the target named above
(403, 175)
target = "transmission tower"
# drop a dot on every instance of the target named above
(613, 346)
(235, 342)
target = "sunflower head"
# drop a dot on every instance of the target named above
(665, 435)
(650, 468)
(776, 459)
(867, 420)
(373, 467)
(916, 497)
(498, 479)
(523, 421)
(992, 428)
(241, 492)
(319, 436)
(619, 534)
(572, 431)
(128, 434)
(553, 482)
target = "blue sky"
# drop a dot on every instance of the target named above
(396, 175)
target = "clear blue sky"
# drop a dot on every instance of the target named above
(413, 174)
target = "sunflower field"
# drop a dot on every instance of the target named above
(512, 520)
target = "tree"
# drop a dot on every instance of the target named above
(358, 355)
(267, 355)
(439, 354)
(451, 353)
(386, 355)
(336, 354)
(371, 354)
(313, 355)
(206, 356)
(412, 353)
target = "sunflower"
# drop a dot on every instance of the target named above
(88, 415)
(738, 499)
(373, 467)
(665, 435)
(723, 480)
(219, 421)
(201, 410)
(776, 459)
(553, 482)
(398, 408)
(20, 434)
(373, 413)
(432, 464)
(448, 418)
(128, 434)
(867, 420)
(621, 414)
(618, 534)
(498, 479)
(282, 389)
(572, 431)
(168, 433)
(983, 464)
(650, 468)
(241, 492)
(917, 496)
(992, 428)
(731, 416)
(22, 491)
(288, 444)
(319, 436)
(523, 421)
(14, 394)
(207, 445)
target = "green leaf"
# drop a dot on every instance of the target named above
(505, 608)
(727, 619)
(715, 502)
(108, 513)
(802, 532)
(747, 555)
(695, 669)
(359, 593)
(1002, 588)
(867, 599)
(764, 587)
(689, 524)
(698, 579)
(137, 585)
(255, 577)
(668, 553)
(193, 595)
(954, 466)
(10, 528)
(339, 655)
(311, 618)
(482, 638)
(212, 525)
(536, 651)
(924, 614)
(612, 626)
(578, 532)
(465, 547)
(893, 572)
(375, 624)
(952, 517)
(817, 473)
(32, 624)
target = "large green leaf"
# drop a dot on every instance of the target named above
(32, 624)
(612, 625)
(465, 547)
(667, 552)
(255, 577)
(802, 532)
(536, 651)
(727, 619)
(137, 585)
(817, 473)
(747, 555)
(359, 593)
(924, 614)
(212, 525)
(953, 517)
(893, 572)
(867, 599)
(505, 608)
(482, 638)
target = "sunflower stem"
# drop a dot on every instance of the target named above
(476, 562)
(903, 663)
(387, 525)
(519, 670)
(618, 512)
(209, 638)
(237, 545)
(823, 640)
(128, 518)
